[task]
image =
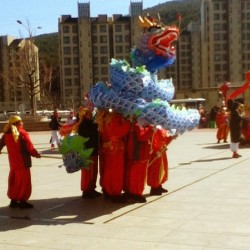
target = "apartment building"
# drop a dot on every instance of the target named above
(213, 50)
(13, 94)
(87, 45)
(225, 44)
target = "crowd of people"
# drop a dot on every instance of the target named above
(128, 153)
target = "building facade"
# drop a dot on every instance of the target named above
(87, 45)
(13, 53)
(210, 52)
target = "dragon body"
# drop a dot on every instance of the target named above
(137, 91)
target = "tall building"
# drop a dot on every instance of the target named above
(13, 53)
(225, 43)
(211, 51)
(87, 45)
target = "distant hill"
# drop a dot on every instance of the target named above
(48, 46)
(189, 10)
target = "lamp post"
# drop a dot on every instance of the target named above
(31, 69)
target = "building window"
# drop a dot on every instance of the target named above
(76, 60)
(103, 28)
(76, 81)
(76, 72)
(118, 49)
(104, 60)
(126, 26)
(118, 28)
(95, 60)
(95, 50)
(104, 70)
(67, 61)
(66, 50)
(94, 29)
(94, 39)
(127, 49)
(75, 50)
(74, 29)
(217, 37)
(75, 39)
(66, 39)
(65, 29)
(216, 17)
(217, 67)
(127, 38)
(217, 27)
(217, 58)
(118, 38)
(103, 39)
(68, 82)
(104, 49)
(67, 71)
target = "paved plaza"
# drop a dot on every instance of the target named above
(207, 206)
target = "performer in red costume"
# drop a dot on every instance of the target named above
(158, 163)
(113, 128)
(222, 123)
(20, 149)
(138, 153)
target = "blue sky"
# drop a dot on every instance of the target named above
(45, 13)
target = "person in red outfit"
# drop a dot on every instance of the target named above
(15, 138)
(222, 123)
(113, 129)
(138, 153)
(158, 163)
(87, 128)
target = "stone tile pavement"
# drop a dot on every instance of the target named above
(207, 207)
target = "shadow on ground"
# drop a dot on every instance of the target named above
(57, 211)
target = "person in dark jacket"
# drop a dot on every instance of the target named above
(55, 124)
(235, 127)
(87, 128)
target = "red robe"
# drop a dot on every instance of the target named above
(222, 125)
(158, 163)
(138, 153)
(112, 150)
(19, 182)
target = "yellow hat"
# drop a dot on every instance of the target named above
(14, 119)
(9, 125)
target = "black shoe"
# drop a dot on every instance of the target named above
(163, 190)
(14, 204)
(88, 195)
(25, 205)
(118, 198)
(96, 194)
(138, 198)
(155, 191)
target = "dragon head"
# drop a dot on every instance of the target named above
(155, 48)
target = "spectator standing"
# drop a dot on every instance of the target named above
(212, 116)
(235, 127)
(55, 125)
